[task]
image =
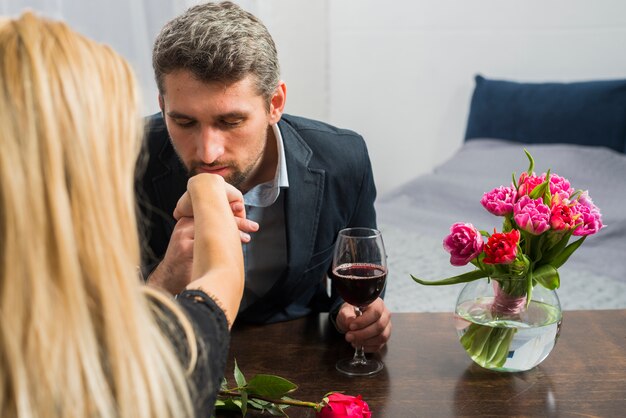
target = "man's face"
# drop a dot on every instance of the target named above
(222, 128)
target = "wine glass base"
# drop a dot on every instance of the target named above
(352, 367)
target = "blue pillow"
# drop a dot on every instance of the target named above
(583, 113)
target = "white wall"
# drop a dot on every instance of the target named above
(400, 72)
(301, 33)
(129, 26)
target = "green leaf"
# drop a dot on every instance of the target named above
(536, 246)
(560, 259)
(488, 346)
(276, 410)
(556, 248)
(507, 224)
(239, 377)
(462, 278)
(547, 196)
(574, 196)
(270, 386)
(244, 402)
(547, 276)
(257, 403)
(540, 190)
(531, 165)
(530, 279)
(228, 404)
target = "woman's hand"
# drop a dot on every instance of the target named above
(235, 200)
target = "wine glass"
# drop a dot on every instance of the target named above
(359, 271)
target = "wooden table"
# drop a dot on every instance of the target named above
(428, 374)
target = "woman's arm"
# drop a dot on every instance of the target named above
(217, 267)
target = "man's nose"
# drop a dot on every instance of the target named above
(211, 146)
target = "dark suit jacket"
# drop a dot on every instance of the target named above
(330, 187)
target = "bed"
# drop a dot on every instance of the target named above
(578, 130)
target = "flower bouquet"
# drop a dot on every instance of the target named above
(541, 214)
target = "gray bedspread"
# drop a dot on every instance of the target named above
(416, 217)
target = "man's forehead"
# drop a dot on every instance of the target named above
(187, 95)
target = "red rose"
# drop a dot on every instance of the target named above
(501, 248)
(344, 406)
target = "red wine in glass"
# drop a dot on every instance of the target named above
(359, 284)
(359, 271)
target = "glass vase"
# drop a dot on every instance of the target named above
(501, 330)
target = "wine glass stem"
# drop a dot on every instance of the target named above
(359, 353)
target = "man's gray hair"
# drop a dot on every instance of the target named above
(217, 42)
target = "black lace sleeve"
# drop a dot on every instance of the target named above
(212, 339)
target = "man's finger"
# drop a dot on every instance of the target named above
(245, 237)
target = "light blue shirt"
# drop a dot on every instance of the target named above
(265, 194)
(265, 256)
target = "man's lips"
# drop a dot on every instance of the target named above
(213, 170)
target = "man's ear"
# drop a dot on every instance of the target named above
(277, 103)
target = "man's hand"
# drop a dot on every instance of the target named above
(371, 330)
(174, 272)
(235, 199)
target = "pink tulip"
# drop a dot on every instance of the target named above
(559, 186)
(500, 200)
(589, 215)
(464, 243)
(532, 215)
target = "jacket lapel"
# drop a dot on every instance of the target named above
(303, 205)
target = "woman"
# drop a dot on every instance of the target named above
(80, 336)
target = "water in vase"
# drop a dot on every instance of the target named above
(507, 343)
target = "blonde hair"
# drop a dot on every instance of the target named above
(78, 337)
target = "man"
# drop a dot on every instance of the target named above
(222, 102)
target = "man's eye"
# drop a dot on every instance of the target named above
(184, 123)
(231, 123)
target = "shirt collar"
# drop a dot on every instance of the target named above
(265, 194)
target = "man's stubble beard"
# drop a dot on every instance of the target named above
(236, 179)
